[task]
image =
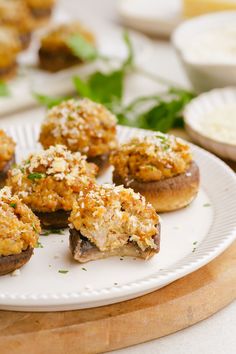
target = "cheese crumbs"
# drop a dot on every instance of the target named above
(82, 125)
(49, 180)
(7, 149)
(111, 216)
(19, 227)
(152, 158)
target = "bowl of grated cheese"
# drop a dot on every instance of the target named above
(206, 47)
(210, 120)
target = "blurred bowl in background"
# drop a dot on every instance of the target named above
(154, 17)
(210, 120)
(206, 46)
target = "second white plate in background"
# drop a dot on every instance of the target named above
(30, 79)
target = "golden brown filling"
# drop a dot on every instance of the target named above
(152, 158)
(15, 13)
(81, 125)
(7, 149)
(19, 227)
(112, 216)
(50, 180)
(57, 38)
(40, 3)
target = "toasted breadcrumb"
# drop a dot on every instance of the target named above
(7, 149)
(152, 158)
(49, 180)
(111, 216)
(57, 37)
(19, 227)
(81, 125)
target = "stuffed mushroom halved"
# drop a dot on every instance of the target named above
(113, 221)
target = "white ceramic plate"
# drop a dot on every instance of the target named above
(190, 238)
(30, 79)
(151, 16)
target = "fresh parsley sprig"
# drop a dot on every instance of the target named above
(161, 112)
(4, 89)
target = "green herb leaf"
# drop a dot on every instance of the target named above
(39, 245)
(34, 228)
(82, 48)
(52, 231)
(129, 61)
(13, 205)
(82, 87)
(63, 271)
(84, 269)
(107, 88)
(102, 87)
(36, 175)
(49, 101)
(4, 89)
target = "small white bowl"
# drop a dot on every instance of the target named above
(204, 75)
(198, 108)
(154, 17)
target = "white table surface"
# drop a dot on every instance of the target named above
(217, 334)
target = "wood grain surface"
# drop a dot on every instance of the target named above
(178, 305)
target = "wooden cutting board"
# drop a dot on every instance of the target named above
(178, 305)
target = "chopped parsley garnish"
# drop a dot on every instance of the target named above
(159, 112)
(63, 271)
(36, 175)
(84, 269)
(207, 205)
(13, 205)
(39, 245)
(194, 249)
(52, 231)
(4, 89)
(34, 228)
(194, 243)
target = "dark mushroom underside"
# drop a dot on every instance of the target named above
(15, 261)
(3, 173)
(54, 220)
(102, 161)
(40, 13)
(56, 60)
(84, 251)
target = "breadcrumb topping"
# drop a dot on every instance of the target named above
(111, 216)
(16, 13)
(49, 180)
(152, 158)
(19, 227)
(7, 149)
(57, 38)
(81, 125)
